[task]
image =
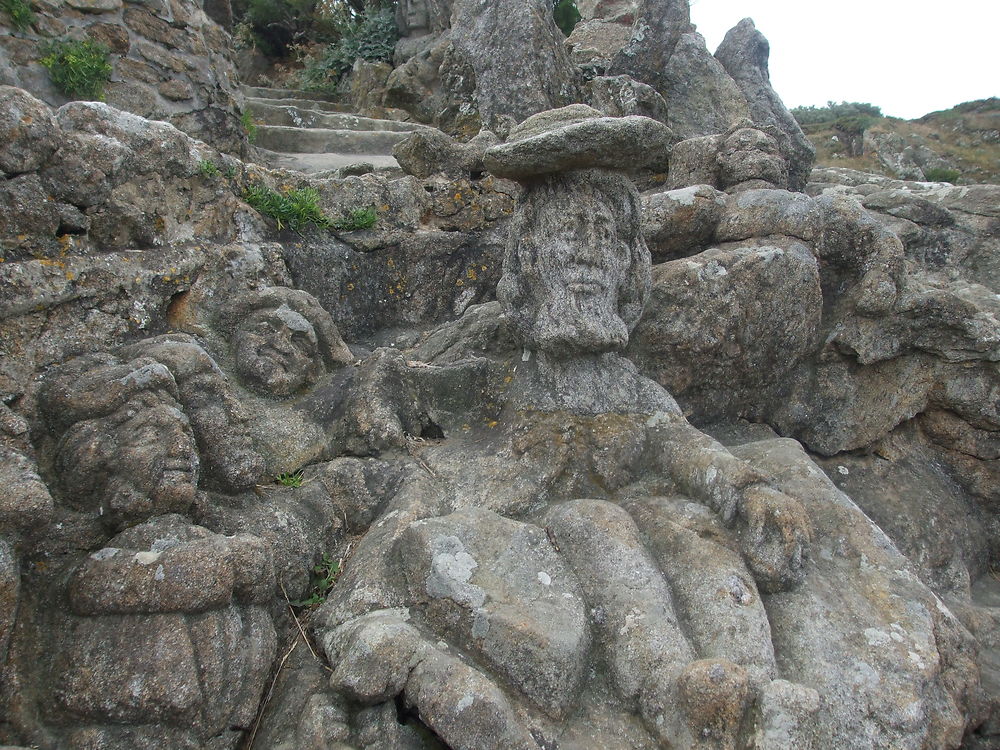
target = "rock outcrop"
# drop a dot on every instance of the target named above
(170, 61)
(535, 460)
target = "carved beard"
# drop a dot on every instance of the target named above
(573, 323)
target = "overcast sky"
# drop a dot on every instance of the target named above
(906, 56)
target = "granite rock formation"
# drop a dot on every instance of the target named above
(537, 460)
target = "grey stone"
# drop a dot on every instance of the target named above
(744, 53)
(577, 137)
(656, 32)
(430, 152)
(576, 274)
(27, 130)
(495, 40)
(466, 563)
(621, 96)
(701, 96)
(125, 448)
(595, 42)
(681, 222)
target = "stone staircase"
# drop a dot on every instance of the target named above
(312, 133)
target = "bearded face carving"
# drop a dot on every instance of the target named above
(577, 270)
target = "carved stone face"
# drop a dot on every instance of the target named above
(135, 463)
(416, 16)
(277, 352)
(577, 271)
(751, 154)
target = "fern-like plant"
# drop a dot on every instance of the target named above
(79, 69)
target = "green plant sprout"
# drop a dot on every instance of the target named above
(21, 15)
(295, 209)
(290, 479)
(207, 169)
(323, 577)
(79, 69)
(359, 218)
(249, 126)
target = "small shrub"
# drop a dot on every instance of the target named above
(323, 577)
(566, 15)
(249, 126)
(295, 209)
(207, 169)
(79, 69)
(359, 218)
(942, 174)
(21, 15)
(833, 111)
(373, 38)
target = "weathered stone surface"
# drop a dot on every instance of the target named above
(516, 54)
(620, 11)
(852, 643)
(680, 222)
(466, 563)
(430, 152)
(620, 96)
(656, 32)
(28, 132)
(161, 58)
(744, 54)
(701, 96)
(577, 137)
(747, 315)
(594, 43)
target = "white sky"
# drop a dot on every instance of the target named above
(909, 57)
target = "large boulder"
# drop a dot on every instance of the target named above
(744, 54)
(516, 53)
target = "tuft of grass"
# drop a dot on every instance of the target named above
(359, 218)
(323, 577)
(942, 174)
(20, 13)
(249, 126)
(295, 209)
(290, 479)
(207, 169)
(79, 69)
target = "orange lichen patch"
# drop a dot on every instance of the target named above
(391, 263)
(459, 282)
(350, 286)
(471, 273)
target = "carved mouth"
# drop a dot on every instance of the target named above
(583, 278)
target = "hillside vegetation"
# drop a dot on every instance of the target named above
(960, 145)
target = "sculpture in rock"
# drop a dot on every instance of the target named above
(125, 449)
(165, 640)
(282, 341)
(579, 422)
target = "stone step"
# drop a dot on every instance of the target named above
(310, 104)
(326, 140)
(265, 92)
(316, 163)
(291, 116)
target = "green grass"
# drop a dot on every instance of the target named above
(942, 174)
(79, 69)
(321, 581)
(20, 13)
(359, 218)
(249, 126)
(207, 169)
(290, 479)
(294, 209)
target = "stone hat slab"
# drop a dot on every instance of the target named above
(579, 137)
